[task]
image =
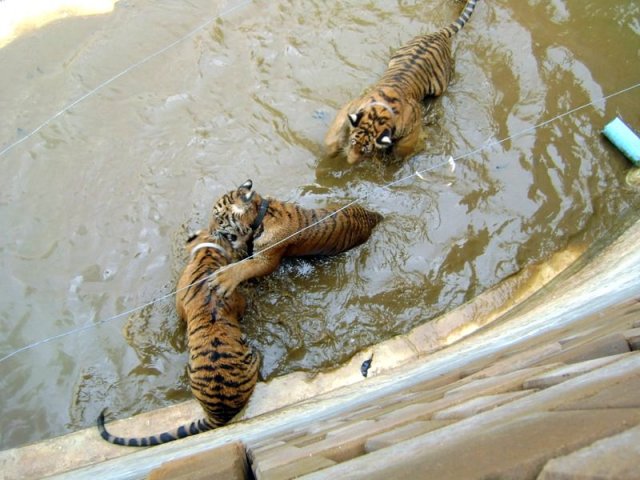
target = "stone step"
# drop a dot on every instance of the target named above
(566, 372)
(402, 433)
(228, 462)
(507, 382)
(611, 344)
(530, 440)
(530, 357)
(633, 338)
(612, 399)
(291, 470)
(477, 405)
(620, 395)
(533, 429)
(613, 458)
(339, 444)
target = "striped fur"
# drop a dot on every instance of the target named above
(223, 367)
(235, 212)
(387, 120)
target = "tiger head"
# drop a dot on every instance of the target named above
(372, 130)
(222, 245)
(234, 213)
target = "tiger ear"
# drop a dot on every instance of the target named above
(193, 236)
(385, 138)
(248, 185)
(245, 191)
(355, 118)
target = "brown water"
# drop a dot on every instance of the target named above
(95, 206)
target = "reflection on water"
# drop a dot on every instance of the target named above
(20, 16)
(95, 207)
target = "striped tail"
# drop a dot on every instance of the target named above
(182, 431)
(464, 17)
(342, 230)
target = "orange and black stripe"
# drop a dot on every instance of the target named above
(223, 367)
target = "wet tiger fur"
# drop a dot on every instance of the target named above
(223, 367)
(269, 227)
(387, 120)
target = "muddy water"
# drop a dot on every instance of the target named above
(95, 206)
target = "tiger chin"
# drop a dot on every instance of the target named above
(273, 229)
(223, 367)
(387, 120)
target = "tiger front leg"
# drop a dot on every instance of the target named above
(227, 279)
(408, 145)
(409, 129)
(337, 136)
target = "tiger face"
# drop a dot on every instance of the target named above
(372, 129)
(232, 253)
(233, 214)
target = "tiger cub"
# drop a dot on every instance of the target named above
(387, 120)
(270, 227)
(223, 367)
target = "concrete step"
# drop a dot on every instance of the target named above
(625, 394)
(403, 433)
(633, 338)
(563, 373)
(228, 462)
(530, 441)
(533, 429)
(293, 469)
(507, 382)
(530, 357)
(613, 458)
(612, 344)
(478, 404)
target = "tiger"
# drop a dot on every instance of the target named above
(276, 229)
(223, 367)
(386, 121)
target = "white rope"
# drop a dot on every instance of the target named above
(404, 179)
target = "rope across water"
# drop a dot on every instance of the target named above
(417, 173)
(122, 73)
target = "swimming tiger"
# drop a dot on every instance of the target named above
(387, 119)
(269, 227)
(223, 367)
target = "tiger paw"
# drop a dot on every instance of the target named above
(222, 284)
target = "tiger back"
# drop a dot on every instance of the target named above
(275, 229)
(387, 119)
(222, 367)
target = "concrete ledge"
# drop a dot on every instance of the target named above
(531, 441)
(520, 330)
(44, 458)
(527, 428)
